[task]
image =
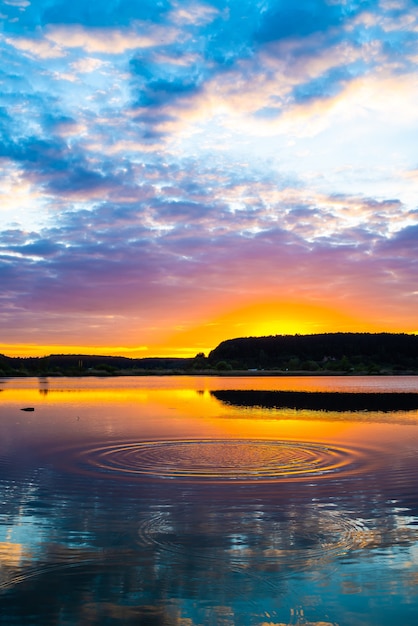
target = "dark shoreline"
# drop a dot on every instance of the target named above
(210, 372)
(320, 400)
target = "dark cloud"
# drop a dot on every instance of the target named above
(157, 84)
(404, 242)
(60, 169)
(38, 247)
(163, 91)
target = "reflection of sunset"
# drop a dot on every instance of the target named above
(11, 554)
(186, 408)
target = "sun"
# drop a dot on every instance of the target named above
(261, 318)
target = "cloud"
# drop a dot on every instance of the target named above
(111, 41)
(87, 65)
(165, 159)
(36, 47)
(403, 243)
(16, 192)
(149, 261)
(17, 3)
(189, 245)
(192, 13)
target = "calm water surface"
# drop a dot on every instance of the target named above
(161, 501)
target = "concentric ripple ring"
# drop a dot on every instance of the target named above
(219, 460)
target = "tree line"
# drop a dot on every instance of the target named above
(345, 352)
(350, 353)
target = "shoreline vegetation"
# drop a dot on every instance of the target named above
(326, 354)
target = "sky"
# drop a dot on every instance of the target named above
(175, 173)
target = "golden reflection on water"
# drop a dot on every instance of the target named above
(12, 554)
(182, 407)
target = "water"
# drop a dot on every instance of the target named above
(172, 501)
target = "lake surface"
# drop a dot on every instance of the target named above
(194, 501)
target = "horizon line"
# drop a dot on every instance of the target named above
(193, 353)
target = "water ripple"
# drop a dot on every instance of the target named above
(220, 460)
(275, 545)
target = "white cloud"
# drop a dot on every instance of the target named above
(36, 47)
(17, 3)
(193, 13)
(87, 65)
(110, 40)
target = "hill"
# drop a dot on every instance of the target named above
(347, 352)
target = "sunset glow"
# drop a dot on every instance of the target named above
(178, 173)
